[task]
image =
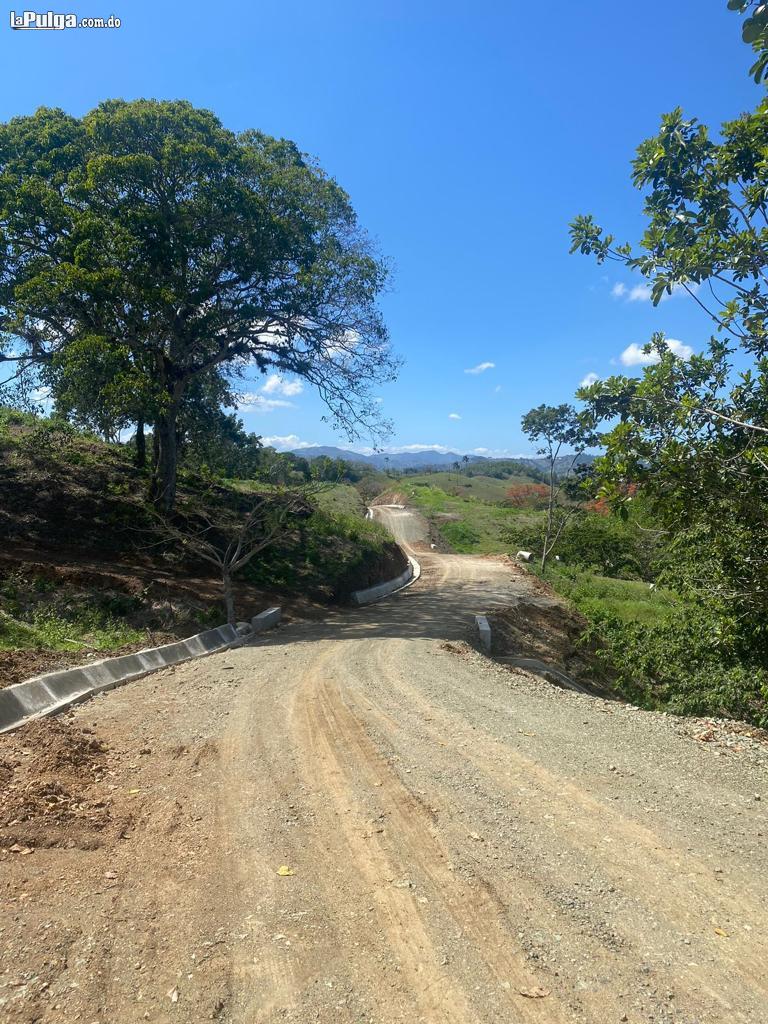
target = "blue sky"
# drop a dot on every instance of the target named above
(468, 135)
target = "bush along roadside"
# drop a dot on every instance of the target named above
(677, 665)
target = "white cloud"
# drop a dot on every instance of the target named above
(417, 448)
(633, 355)
(589, 380)
(497, 389)
(258, 403)
(642, 292)
(393, 449)
(481, 368)
(499, 453)
(453, 416)
(275, 385)
(286, 442)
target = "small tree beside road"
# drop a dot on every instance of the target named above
(555, 428)
(231, 538)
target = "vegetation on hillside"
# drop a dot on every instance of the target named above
(685, 444)
(88, 563)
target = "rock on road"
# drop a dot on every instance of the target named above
(459, 844)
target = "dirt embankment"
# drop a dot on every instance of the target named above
(81, 550)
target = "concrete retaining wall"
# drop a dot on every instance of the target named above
(381, 590)
(54, 691)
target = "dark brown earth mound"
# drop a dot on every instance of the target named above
(53, 790)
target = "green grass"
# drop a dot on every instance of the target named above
(472, 525)
(342, 498)
(482, 488)
(53, 632)
(628, 600)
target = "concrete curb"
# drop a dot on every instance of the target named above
(265, 620)
(484, 629)
(55, 691)
(382, 590)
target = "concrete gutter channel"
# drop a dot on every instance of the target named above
(55, 691)
(382, 590)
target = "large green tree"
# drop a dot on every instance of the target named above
(148, 238)
(694, 432)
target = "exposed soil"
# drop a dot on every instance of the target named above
(16, 666)
(169, 606)
(546, 629)
(364, 820)
(54, 790)
(62, 500)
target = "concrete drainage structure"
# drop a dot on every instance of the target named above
(484, 629)
(381, 590)
(540, 668)
(55, 691)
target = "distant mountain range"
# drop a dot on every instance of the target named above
(381, 460)
(428, 458)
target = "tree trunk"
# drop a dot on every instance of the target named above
(550, 515)
(229, 597)
(167, 457)
(141, 445)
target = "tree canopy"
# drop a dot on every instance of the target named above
(694, 432)
(144, 246)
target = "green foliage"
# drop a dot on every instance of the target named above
(556, 429)
(691, 434)
(49, 440)
(611, 546)
(599, 597)
(679, 665)
(327, 559)
(461, 536)
(468, 522)
(176, 252)
(37, 613)
(754, 32)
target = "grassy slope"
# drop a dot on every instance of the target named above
(479, 519)
(81, 565)
(629, 600)
(656, 647)
(469, 514)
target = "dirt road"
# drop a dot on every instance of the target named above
(366, 821)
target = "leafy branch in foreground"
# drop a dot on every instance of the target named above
(693, 433)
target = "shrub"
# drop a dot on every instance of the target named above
(680, 664)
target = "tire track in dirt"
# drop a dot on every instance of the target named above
(347, 758)
(652, 868)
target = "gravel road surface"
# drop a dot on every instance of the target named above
(365, 820)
